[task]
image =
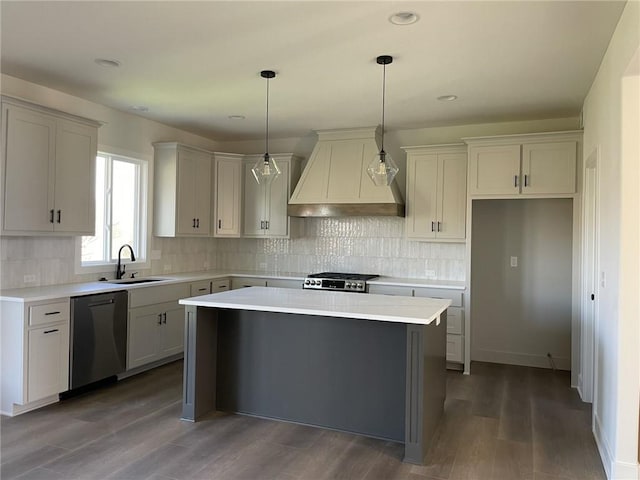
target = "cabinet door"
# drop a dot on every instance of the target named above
(76, 149)
(28, 170)
(549, 168)
(242, 282)
(277, 196)
(203, 194)
(144, 324)
(494, 170)
(422, 177)
(48, 364)
(254, 204)
(228, 189)
(172, 331)
(186, 193)
(452, 196)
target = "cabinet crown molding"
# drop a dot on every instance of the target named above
(513, 139)
(51, 111)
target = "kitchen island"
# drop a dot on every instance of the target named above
(367, 364)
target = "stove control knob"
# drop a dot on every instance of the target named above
(318, 282)
(347, 285)
(359, 286)
(307, 282)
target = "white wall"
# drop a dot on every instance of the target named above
(617, 363)
(521, 313)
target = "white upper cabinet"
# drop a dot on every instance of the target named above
(182, 191)
(265, 207)
(48, 168)
(436, 192)
(524, 165)
(228, 194)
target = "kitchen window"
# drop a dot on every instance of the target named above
(121, 214)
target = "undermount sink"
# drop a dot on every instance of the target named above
(131, 281)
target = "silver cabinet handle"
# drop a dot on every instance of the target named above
(51, 331)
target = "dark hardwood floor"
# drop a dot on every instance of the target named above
(502, 422)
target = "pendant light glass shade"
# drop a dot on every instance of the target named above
(266, 169)
(382, 169)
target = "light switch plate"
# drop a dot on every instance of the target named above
(514, 261)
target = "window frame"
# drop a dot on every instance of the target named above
(142, 215)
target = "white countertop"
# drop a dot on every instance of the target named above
(50, 292)
(328, 304)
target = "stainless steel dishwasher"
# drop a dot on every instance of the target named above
(98, 337)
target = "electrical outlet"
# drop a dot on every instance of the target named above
(206, 265)
(514, 261)
(603, 280)
(166, 268)
(430, 274)
(263, 266)
(29, 279)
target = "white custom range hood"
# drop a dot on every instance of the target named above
(335, 182)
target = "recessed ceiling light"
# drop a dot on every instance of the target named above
(105, 62)
(404, 18)
(139, 108)
(236, 117)
(447, 98)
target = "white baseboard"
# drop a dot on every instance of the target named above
(626, 471)
(522, 359)
(603, 446)
(27, 407)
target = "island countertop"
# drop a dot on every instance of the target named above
(412, 310)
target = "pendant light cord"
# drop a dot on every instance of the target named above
(267, 126)
(384, 88)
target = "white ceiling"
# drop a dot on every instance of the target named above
(193, 64)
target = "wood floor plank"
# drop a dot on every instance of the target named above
(474, 459)
(512, 460)
(35, 458)
(515, 413)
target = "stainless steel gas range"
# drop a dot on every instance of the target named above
(341, 282)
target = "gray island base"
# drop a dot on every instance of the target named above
(326, 359)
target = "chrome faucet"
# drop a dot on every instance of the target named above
(119, 272)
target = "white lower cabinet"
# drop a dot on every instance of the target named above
(35, 342)
(156, 330)
(455, 313)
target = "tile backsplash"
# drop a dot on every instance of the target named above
(354, 244)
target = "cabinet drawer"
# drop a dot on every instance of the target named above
(454, 295)
(49, 313)
(241, 282)
(455, 320)
(159, 294)
(391, 290)
(221, 285)
(455, 348)
(280, 283)
(203, 287)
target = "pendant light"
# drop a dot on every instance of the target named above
(382, 168)
(266, 169)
